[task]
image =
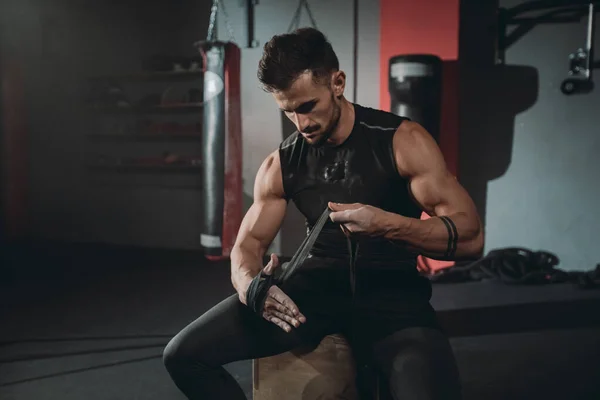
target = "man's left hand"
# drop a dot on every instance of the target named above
(358, 219)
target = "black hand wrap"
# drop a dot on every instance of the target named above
(257, 291)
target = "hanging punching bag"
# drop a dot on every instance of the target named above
(221, 149)
(415, 87)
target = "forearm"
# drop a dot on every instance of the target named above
(246, 263)
(448, 237)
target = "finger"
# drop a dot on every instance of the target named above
(280, 323)
(279, 296)
(285, 317)
(345, 229)
(342, 216)
(274, 307)
(343, 207)
(272, 304)
(273, 263)
(277, 321)
(283, 300)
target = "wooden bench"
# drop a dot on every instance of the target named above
(325, 372)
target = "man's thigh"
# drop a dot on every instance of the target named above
(230, 331)
(418, 363)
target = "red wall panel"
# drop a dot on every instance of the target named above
(430, 27)
(408, 27)
(425, 27)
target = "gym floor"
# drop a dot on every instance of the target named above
(125, 305)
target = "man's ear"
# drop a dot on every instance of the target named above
(338, 83)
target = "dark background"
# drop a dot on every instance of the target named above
(114, 259)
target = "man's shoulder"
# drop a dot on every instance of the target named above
(377, 119)
(290, 141)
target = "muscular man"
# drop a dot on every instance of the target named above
(377, 172)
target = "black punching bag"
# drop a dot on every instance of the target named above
(415, 86)
(221, 149)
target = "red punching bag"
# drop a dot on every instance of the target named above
(221, 149)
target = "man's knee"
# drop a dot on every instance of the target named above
(417, 374)
(410, 362)
(420, 364)
(172, 356)
(178, 356)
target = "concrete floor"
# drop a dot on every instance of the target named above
(86, 323)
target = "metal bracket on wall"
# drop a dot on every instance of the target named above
(557, 11)
(581, 63)
(250, 21)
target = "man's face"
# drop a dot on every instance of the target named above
(312, 107)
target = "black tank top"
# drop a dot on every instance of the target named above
(360, 170)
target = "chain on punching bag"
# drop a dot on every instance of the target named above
(221, 145)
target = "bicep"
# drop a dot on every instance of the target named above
(439, 193)
(265, 216)
(432, 186)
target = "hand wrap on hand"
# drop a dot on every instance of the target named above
(257, 291)
(259, 287)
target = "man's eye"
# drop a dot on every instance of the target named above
(305, 108)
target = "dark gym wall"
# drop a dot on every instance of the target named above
(63, 43)
(13, 149)
(528, 153)
(60, 44)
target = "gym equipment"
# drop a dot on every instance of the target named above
(252, 41)
(212, 22)
(327, 371)
(518, 266)
(221, 150)
(295, 23)
(581, 63)
(415, 87)
(511, 265)
(221, 144)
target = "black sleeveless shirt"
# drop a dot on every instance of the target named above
(360, 170)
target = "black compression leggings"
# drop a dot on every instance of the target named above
(417, 361)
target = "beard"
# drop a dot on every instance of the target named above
(322, 139)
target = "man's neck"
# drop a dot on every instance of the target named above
(345, 124)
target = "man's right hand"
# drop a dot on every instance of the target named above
(279, 308)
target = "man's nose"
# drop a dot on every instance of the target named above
(302, 122)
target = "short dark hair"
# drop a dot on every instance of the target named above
(285, 57)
